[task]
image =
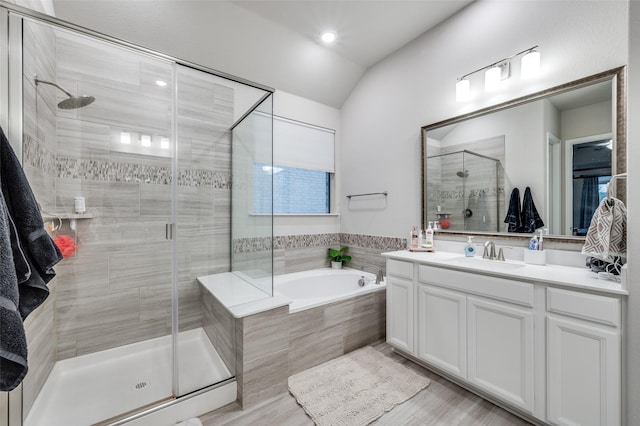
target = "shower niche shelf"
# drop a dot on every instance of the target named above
(62, 216)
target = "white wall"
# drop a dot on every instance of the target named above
(415, 86)
(301, 109)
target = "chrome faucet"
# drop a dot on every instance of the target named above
(379, 276)
(489, 250)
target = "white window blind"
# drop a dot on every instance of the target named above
(303, 146)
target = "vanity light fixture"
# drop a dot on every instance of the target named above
(530, 64)
(164, 143)
(498, 71)
(463, 90)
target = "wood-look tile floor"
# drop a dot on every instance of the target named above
(442, 403)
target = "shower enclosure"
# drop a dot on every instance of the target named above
(463, 191)
(151, 144)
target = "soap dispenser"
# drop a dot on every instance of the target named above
(470, 249)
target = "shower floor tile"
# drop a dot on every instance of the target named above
(91, 388)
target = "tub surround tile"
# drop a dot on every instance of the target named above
(262, 355)
(325, 332)
(311, 349)
(265, 333)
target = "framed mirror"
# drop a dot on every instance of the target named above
(561, 146)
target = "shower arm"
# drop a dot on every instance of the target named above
(38, 81)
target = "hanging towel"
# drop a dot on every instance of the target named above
(13, 342)
(513, 217)
(531, 220)
(35, 245)
(27, 257)
(607, 234)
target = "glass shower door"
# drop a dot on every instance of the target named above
(101, 345)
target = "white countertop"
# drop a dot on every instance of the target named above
(567, 276)
(239, 297)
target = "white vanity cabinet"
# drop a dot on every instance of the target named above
(400, 303)
(442, 329)
(478, 328)
(583, 358)
(550, 352)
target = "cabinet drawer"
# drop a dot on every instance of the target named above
(484, 285)
(602, 309)
(400, 269)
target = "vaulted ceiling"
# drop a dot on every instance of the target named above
(274, 43)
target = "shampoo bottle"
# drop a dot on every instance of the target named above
(470, 249)
(428, 240)
(414, 237)
(420, 238)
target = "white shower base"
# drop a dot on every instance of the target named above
(92, 388)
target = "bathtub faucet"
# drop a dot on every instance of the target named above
(379, 277)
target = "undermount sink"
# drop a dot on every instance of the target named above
(488, 264)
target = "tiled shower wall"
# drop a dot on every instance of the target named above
(116, 289)
(295, 253)
(39, 147)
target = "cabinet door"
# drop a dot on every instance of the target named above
(442, 321)
(500, 351)
(583, 383)
(400, 313)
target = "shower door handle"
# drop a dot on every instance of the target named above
(169, 230)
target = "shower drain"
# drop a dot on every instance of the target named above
(140, 385)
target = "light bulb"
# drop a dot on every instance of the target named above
(463, 90)
(492, 78)
(145, 140)
(530, 65)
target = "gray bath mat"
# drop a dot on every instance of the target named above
(354, 389)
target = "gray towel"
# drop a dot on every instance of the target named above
(36, 246)
(607, 234)
(13, 342)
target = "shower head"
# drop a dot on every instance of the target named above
(73, 102)
(76, 102)
(463, 175)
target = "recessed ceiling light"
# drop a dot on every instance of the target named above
(328, 37)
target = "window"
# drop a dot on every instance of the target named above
(303, 162)
(294, 190)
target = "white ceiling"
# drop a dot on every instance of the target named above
(367, 30)
(271, 42)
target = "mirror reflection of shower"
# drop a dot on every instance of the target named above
(457, 202)
(72, 102)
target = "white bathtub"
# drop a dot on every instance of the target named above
(317, 287)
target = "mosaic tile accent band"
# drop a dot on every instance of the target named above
(34, 154)
(457, 195)
(112, 171)
(252, 245)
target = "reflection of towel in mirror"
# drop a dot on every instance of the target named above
(513, 214)
(531, 220)
(607, 234)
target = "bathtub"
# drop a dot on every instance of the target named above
(318, 287)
